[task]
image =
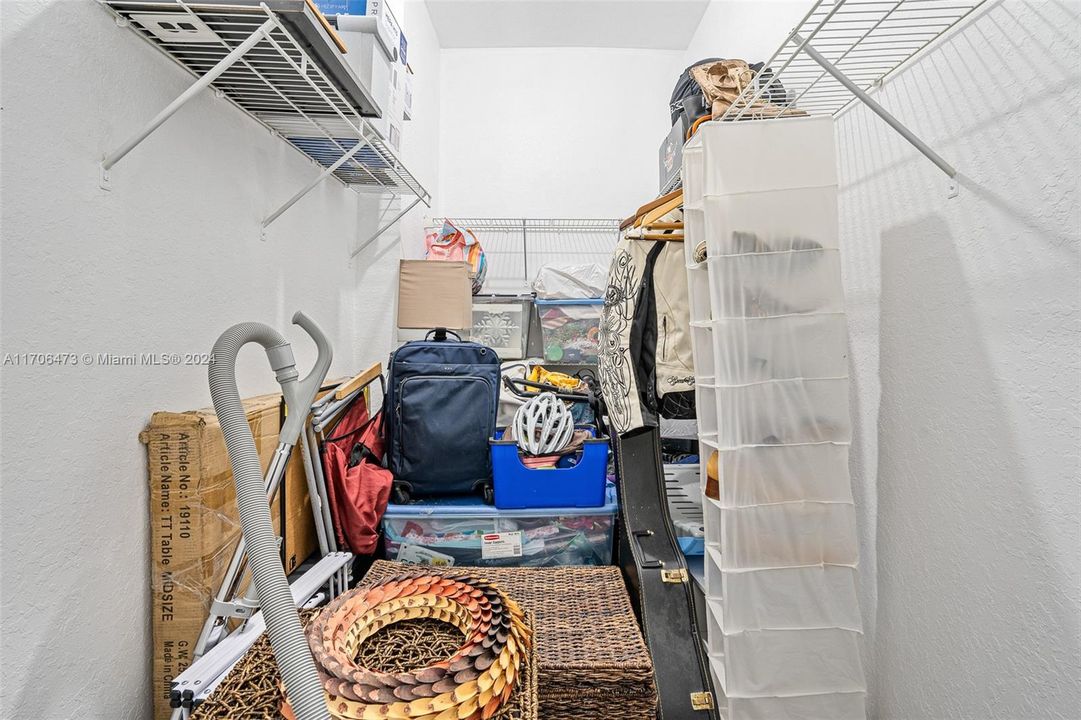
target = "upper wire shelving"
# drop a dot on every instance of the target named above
(842, 50)
(279, 61)
(517, 247)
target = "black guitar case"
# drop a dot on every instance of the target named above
(662, 589)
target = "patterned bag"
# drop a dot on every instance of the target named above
(451, 244)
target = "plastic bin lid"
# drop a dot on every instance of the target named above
(474, 507)
(570, 301)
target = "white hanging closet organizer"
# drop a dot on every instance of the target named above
(771, 358)
(277, 61)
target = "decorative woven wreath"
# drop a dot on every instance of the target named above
(473, 684)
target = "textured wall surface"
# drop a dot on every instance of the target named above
(164, 262)
(552, 132)
(966, 332)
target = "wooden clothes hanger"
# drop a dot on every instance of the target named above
(633, 219)
(660, 211)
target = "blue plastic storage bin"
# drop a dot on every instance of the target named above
(465, 531)
(517, 486)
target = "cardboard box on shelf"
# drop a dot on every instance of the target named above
(331, 8)
(194, 524)
(371, 64)
(406, 93)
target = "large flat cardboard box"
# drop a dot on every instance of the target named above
(294, 508)
(194, 524)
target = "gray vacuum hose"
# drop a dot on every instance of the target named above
(286, 634)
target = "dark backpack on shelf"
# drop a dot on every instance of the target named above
(440, 410)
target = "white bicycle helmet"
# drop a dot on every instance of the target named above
(543, 425)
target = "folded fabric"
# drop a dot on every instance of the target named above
(539, 462)
(576, 443)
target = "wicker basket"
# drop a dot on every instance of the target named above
(592, 663)
(251, 691)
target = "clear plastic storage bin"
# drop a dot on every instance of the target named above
(465, 531)
(502, 323)
(777, 348)
(570, 329)
(683, 488)
(784, 412)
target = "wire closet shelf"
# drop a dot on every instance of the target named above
(517, 247)
(278, 62)
(841, 51)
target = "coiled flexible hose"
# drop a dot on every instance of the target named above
(286, 634)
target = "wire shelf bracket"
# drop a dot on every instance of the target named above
(840, 52)
(276, 61)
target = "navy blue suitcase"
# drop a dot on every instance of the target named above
(441, 404)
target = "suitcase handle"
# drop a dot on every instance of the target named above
(441, 335)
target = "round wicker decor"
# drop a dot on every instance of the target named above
(472, 684)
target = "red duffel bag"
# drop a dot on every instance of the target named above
(358, 486)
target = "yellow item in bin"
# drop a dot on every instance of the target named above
(713, 483)
(560, 380)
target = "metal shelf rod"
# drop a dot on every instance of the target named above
(385, 227)
(308, 188)
(198, 86)
(877, 109)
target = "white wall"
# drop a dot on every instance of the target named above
(552, 132)
(965, 326)
(420, 136)
(750, 30)
(164, 262)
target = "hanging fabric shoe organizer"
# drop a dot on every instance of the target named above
(770, 345)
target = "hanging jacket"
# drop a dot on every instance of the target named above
(645, 366)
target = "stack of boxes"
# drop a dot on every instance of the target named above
(194, 525)
(769, 335)
(377, 53)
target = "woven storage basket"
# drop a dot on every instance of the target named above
(592, 663)
(251, 690)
